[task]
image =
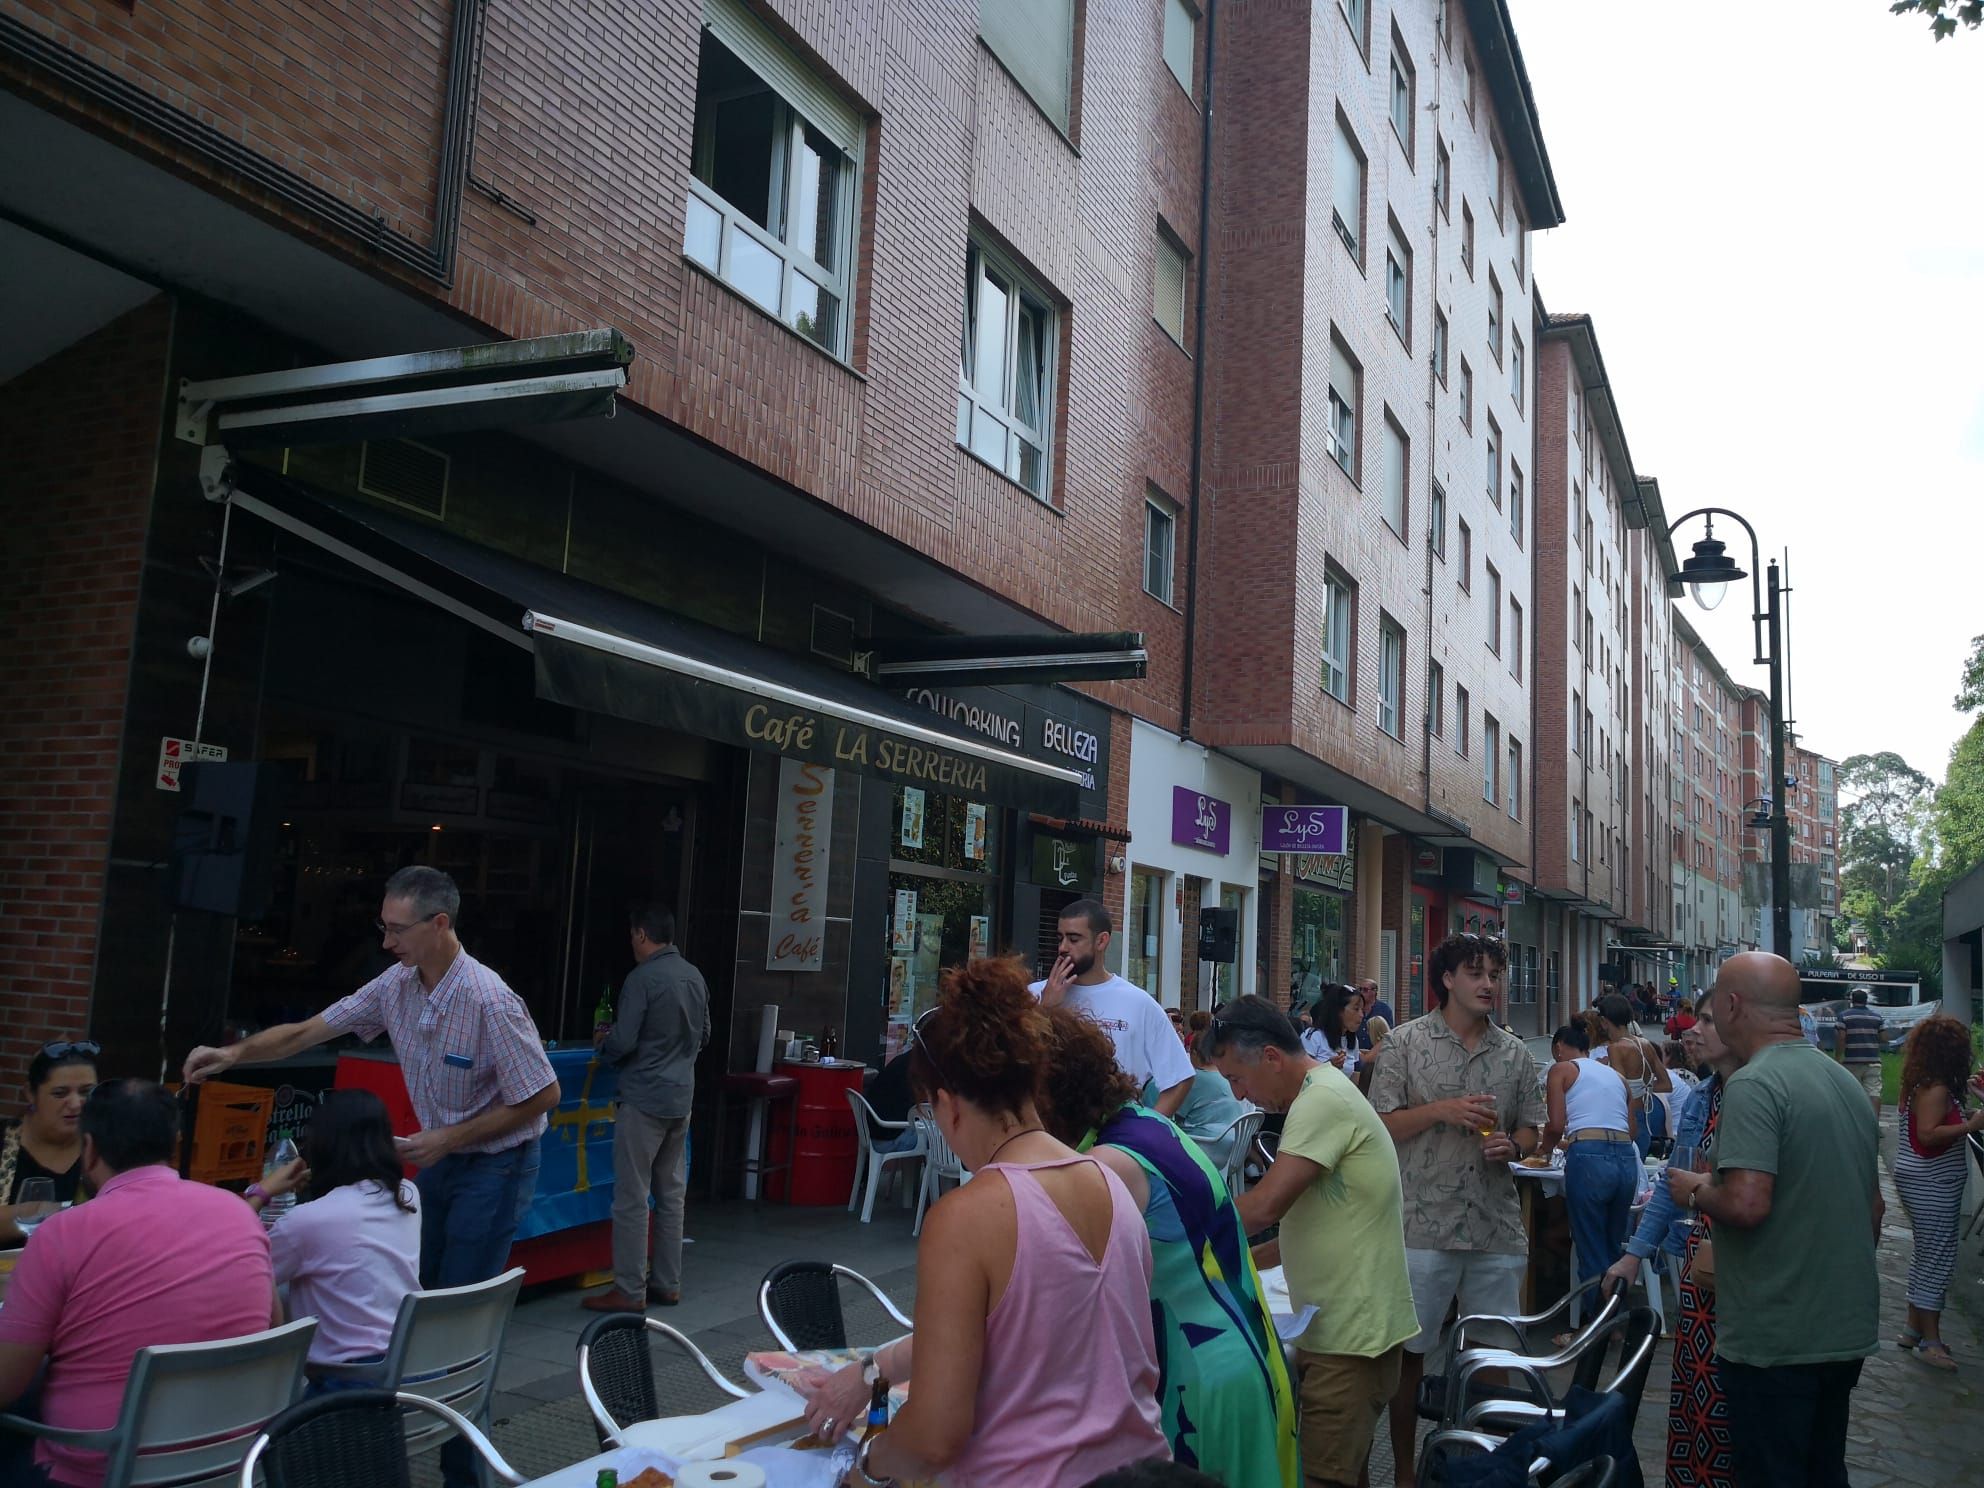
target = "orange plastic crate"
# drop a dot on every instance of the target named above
(230, 1128)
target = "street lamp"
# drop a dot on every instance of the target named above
(1707, 573)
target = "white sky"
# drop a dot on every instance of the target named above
(1775, 216)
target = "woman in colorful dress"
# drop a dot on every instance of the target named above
(1224, 1393)
(1929, 1174)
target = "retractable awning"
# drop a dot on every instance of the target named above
(604, 652)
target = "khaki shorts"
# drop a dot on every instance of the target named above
(1869, 1076)
(1342, 1397)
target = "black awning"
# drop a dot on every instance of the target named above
(607, 653)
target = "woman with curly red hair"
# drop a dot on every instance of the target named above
(1929, 1173)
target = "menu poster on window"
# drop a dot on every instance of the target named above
(981, 937)
(902, 931)
(899, 985)
(912, 817)
(974, 831)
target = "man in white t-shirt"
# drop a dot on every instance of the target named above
(1147, 1047)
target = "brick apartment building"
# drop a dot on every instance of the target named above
(1707, 814)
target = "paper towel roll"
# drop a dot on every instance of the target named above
(767, 1038)
(730, 1474)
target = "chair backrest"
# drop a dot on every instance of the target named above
(800, 1303)
(1638, 1332)
(863, 1114)
(337, 1440)
(1239, 1137)
(191, 1410)
(447, 1345)
(615, 1365)
(940, 1157)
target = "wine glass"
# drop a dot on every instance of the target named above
(34, 1204)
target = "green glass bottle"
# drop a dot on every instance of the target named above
(602, 1016)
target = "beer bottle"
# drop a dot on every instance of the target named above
(602, 1016)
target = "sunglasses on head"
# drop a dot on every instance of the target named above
(71, 1049)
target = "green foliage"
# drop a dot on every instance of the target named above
(1958, 812)
(1882, 823)
(1943, 14)
(1970, 697)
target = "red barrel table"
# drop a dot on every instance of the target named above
(822, 1170)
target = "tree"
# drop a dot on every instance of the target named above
(1958, 812)
(1943, 14)
(1970, 697)
(1881, 833)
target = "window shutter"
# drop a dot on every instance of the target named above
(1169, 306)
(1348, 187)
(1035, 40)
(790, 78)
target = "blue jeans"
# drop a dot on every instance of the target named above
(470, 1206)
(1600, 1179)
(1652, 1125)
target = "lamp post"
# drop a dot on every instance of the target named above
(1709, 569)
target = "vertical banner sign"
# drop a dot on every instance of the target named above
(805, 814)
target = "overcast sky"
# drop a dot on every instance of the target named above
(1775, 218)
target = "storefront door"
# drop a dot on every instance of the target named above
(629, 847)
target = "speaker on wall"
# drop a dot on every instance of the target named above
(1613, 972)
(1219, 935)
(224, 840)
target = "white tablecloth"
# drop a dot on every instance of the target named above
(669, 1443)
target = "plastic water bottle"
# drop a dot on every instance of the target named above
(275, 1208)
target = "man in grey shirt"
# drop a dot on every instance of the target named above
(659, 1027)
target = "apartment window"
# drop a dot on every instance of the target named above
(1398, 285)
(1577, 834)
(1515, 367)
(1168, 292)
(1403, 89)
(1036, 42)
(1577, 705)
(1515, 638)
(1006, 375)
(1436, 699)
(1443, 178)
(1517, 502)
(1436, 520)
(1467, 237)
(1521, 235)
(1587, 733)
(1501, 172)
(1515, 780)
(1461, 719)
(1397, 455)
(1440, 345)
(1160, 545)
(1181, 36)
(1358, 13)
(1495, 317)
(1336, 636)
(1391, 677)
(1494, 462)
(1494, 608)
(1467, 81)
(1491, 760)
(1346, 380)
(1465, 573)
(1466, 395)
(772, 182)
(1347, 190)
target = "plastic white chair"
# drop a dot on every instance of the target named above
(940, 1164)
(870, 1166)
(1240, 1134)
(192, 1410)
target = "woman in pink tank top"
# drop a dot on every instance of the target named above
(1036, 1365)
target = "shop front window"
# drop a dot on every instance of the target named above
(1143, 959)
(943, 898)
(1316, 941)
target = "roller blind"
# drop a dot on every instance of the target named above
(1035, 39)
(1347, 189)
(789, 77)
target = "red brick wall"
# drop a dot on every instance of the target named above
(81, 432)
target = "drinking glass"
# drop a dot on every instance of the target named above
(35, 1204)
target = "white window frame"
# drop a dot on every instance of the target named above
(1350, 234)
(981, 262)
(1491, 759)
(1337, 623)
(1494, 452)
(1398, 284)
(1518, 499)
(1467, 237)
(1342, 429)
(1441, 336)
(1494, 609)
(1463, 710)
(1436, 699)
(1443, 179)
(1161, 511)
(1497, 313)
(1516, 368)
(1515, 638)
(1436, 520)
(1404, 88)
(1515, 779)
(807, 102)
(1397, 477)
(1391, 677)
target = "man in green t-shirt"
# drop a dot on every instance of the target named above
(1795, 1209)
(1334, 1189)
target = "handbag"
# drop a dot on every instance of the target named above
(1701, 1266)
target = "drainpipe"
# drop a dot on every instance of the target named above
(1198, 380)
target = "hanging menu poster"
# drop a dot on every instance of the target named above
(911, 834)
(974, 831)
(902, 928)
(981, 937)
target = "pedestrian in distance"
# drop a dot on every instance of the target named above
(1929, 1173)
(661, 1023)
(1795, 1209)
(1857, 1041)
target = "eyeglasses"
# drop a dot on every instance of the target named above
(916, 1036)
(387, 927)
(70, 1049)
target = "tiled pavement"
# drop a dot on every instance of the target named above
(1912, 1426)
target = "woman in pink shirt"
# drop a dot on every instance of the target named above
(1036, 1366)
(351, 1253)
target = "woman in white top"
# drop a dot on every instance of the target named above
(1590, 1105)
(1333, 1025)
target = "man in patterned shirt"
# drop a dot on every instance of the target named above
(1461, 1100)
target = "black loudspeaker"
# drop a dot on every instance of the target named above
(1219, 935)
(1613, 972)
(224, 841)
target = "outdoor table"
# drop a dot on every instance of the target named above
(1288, 1319)
(674, 1440)
(1531, 1182)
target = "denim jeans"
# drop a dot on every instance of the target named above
(470, 1206)
(1787, 1423)
(1600, 1179)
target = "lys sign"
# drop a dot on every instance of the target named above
(1304, 829)
(797, 940)
(1199, 820)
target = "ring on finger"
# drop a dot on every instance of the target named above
(829, 1424)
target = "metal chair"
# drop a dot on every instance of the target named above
(940, 1164)
(870, 1165)
(1530, 1339)
(354, 1439)
(616, 1373)
(447, 1345)
(1241, 1132)
(1636, 1336)
(191, 1410)
(800, 1303)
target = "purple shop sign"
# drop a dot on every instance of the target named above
(1199, 820)
(1304, 829)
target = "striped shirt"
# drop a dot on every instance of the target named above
(463, 1048)
(1863, 1034)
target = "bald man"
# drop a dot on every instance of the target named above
(1795, 1205)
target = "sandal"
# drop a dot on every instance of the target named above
(1908, 1338)
(1936, 1356)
